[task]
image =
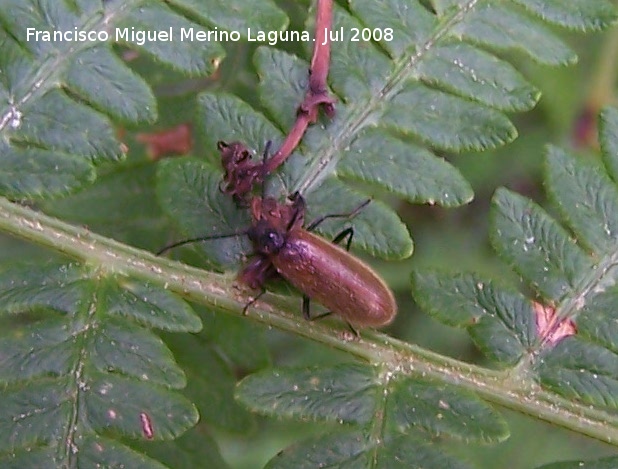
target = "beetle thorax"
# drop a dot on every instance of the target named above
(266, 239)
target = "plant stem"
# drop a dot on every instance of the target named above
(219, 291)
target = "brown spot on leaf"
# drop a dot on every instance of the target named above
(147, 430)
(549, 327)
(174, 141)
(129, 55)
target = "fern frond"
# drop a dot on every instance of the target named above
(389, 415)
(87, 370)
(73, 383)
(564, 339)
(57, 94)
(436, 84)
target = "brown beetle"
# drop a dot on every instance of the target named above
(321, 270)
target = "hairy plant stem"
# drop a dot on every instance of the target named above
(510, 389)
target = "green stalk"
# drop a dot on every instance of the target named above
(517, 392)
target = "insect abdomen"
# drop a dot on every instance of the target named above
(334, 278)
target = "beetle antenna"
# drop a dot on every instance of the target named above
(197, 240)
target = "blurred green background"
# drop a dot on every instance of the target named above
(122, 205)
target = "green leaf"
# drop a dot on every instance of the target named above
(347, 449)
(345, 393)
(57, 92)
(409, 171)
(501, 27)
(99, 451)
(566, 339)
(190, 450)
(211, 385)
(412, 24)
(188, 191)
(227, 118)
(121, 205)
(93, 452)
(286, 84)
(598, 319)
(465, 70)
(336, 198)
(575, 14)
(238, 15)
(37, 173)
(385, 404)
(110, 406)
(501, 322)
(151, 306)
(608, 138)
(351, 449)
(114, 349)
(57, 287)
(36, 458)
(572, 182)
(52, 355)
(45, 426)
(604, 463)
(589, 370)
(537, 247)
(181, 52)
(103, 80)
(447, 122)
(443, 411)
(356, 73)
(89, 370)
(80, 131)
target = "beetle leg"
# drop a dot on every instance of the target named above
(257, 272)
(354, 331)
(349, 232)
(298, 211)
(321, 316)
(307, 310)
(307, 315)
(314, 224)
(257, 297)
(307, 307)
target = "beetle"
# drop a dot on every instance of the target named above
(321, 270)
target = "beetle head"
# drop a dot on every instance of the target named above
(266, 238)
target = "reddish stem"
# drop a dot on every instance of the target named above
(321, 52)
(317, 95)
(241, 176)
